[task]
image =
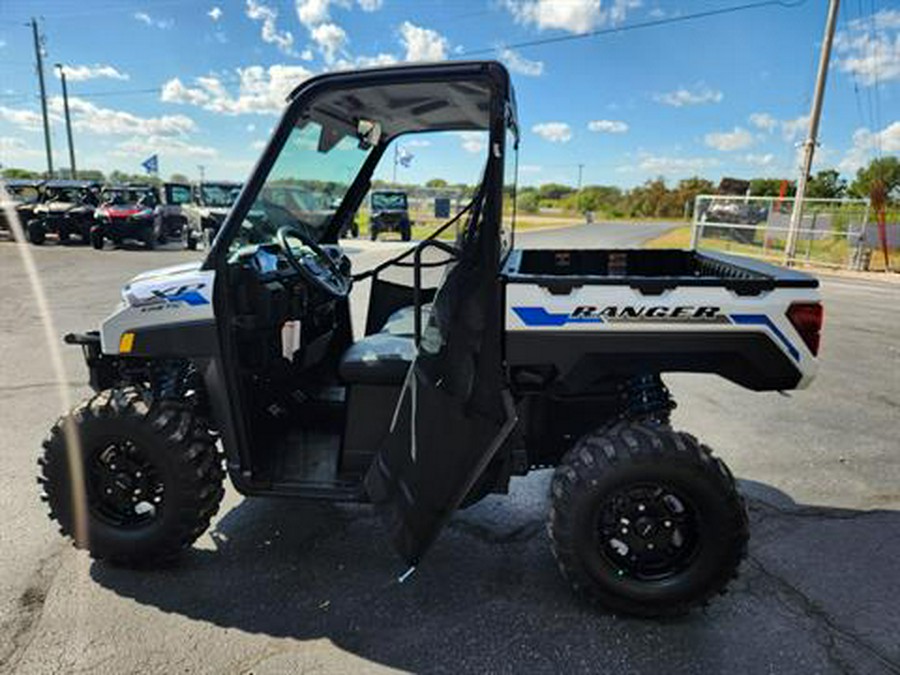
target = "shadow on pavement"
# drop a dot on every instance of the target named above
(819, 592)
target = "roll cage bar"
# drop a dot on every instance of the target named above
(500, 113)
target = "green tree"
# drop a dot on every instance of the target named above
(179, 178)
(528, 201)
(770, 187)
(436, 183)
(91, 174)
(826, 184)
(12, 172)
(554, 191)
(885, 168)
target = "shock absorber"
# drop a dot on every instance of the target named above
(646, 398)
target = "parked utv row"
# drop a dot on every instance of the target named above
(86, 212)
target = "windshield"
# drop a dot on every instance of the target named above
(67, 195)
(25, 194)
(221, 195)
(303, 186)
(389, 201)
(125, 197)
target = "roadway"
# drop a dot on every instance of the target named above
(278, 586)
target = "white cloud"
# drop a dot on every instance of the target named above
(14, 149)
(575, 16)
(260, 90)
(865, 144)
(519, 64)
(370, 5)
(417, 143)
(330, 39)
(82, 73)
(142, 146)
(555, 132)
(365, 62)
(608, 126)
(530, 168)
(682, 97)
(795, 128)
(282, 39)
(870, 48)
(307, 55)
(25, 119)
(106, 121)
(764, 121)
(657, 13)
(726, 141)
(145, 18)
(662, 165)
(313, 12)
(215, 13)
(250, 128)
(473, 141)
(258, 145)
(422, 44)
(766, 159)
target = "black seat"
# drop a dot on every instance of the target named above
(402, 321)
(378, 359)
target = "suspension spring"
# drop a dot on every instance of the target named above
(646, 398)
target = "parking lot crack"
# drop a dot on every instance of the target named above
(22, 627)
(797, 602)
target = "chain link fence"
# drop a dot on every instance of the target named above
(839, 233)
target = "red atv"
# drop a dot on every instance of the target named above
(127, 212)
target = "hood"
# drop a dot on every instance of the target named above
(122, 211)
(61, 207)
(177, 284)
(171, 273)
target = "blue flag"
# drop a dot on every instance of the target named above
(151, 164)
(405, 157)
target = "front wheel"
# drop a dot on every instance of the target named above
(96, 238)
(36, 232)
(147, 480)
(645, 521)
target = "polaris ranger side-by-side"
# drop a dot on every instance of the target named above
(66, 208)
(128, 212)
(518, 360)
(389, 212)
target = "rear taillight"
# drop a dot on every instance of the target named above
(807, 318)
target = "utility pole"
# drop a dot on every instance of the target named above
(62, 76)
(396, 159)
(809, 147)
(578, 192)
(40, 70)
(202, 169)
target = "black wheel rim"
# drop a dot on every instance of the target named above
(124, 488)
(647, 531)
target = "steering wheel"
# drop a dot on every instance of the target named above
(314, 265)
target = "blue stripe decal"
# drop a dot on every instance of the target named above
(538, 316)
(763, 320)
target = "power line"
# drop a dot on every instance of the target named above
(788, 4)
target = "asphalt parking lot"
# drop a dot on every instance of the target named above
(279, 586)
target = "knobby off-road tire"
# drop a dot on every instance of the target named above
(631, 481)
(173, 448)
(35, 232)
(97, 239)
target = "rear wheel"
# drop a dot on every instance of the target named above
(36, 232)
(645, 521)
(152, 477)
(373, 232)
(406, 230)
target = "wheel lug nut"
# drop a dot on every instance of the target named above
(641, 507)
(137, 491)
(650, 547)
(109, 491)
(667, 523)
(137, 474)
(624, 530)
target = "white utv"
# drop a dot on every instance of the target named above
(518, 360)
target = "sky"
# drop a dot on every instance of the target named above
(202, 83)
